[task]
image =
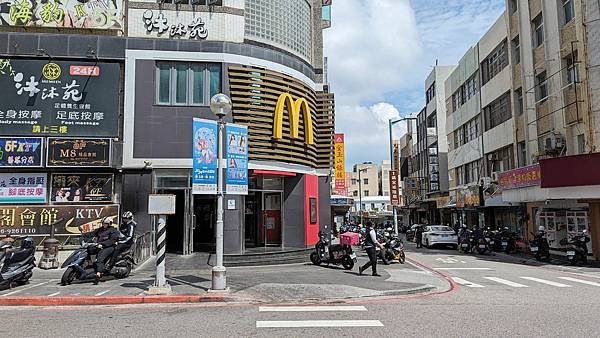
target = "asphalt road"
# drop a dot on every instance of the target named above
(491, 298)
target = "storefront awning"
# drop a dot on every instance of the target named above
(272, 173)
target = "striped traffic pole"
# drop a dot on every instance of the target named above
(161, 237)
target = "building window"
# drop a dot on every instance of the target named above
(572, 68)
(465, 92)
(186, 84)
(522, 154)
(500, 160)
(568, 10)
(460, 175)
(354, 181)
(472, 172)
(497, 112)
(430, 93)
(355, 193)
(581, 144)
(542, 87)
(519, 102)
(494, 63)
(516, 44)
(513, 6)
(365, 181)
(538, 31)
(366, 193)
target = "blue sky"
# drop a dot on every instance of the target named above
(381, 51)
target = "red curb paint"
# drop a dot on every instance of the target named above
(109, 300)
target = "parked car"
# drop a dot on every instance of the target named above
(439, 235)
(410, 233)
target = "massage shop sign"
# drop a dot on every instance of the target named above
(58, 98)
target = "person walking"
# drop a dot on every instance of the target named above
(371, 245)
(419, 236)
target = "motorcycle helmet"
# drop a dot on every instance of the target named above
(27, 243)
(107, 220)
(127, 216)
(542, 228)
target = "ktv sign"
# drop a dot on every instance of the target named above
(293, 107)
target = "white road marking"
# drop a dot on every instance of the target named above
(580, 281)
(418, 267)
(54, 294)
(318, 323)
(466, 283)
(543, 281)
(103, 292)
(142, 293)
(447, 260)
(309, 308)
(482, 269)
(506, 282)
(26, 288)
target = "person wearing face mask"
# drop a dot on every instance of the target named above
(106, 238)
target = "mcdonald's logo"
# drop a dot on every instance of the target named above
(293, 107)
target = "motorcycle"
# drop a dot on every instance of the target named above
(16, 264)
(490, 239)
(539, 246)
(577, 248)
(80, 264)
(507, 241)
(335, 254)
(465, 240)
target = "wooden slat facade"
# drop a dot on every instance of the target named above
(255, 91)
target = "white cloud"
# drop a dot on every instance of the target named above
(380, 52)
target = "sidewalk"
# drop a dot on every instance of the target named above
(292, 283)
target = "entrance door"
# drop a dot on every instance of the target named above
(272, 219)
(205, 217)
(176, 223)
(253, 220)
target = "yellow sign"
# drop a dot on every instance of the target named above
(51, 71)
(286, 101)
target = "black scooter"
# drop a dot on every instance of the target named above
(539, 246)
(577, 250)
(80, 264)
(16, 263)
(335, 254)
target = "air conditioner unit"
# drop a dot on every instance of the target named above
(495, 177)
(554, 142)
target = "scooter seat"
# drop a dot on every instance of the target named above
(21, 254)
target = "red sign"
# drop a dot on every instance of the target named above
(84, 70)
(394, 188)
(340, 170)
(520, 177)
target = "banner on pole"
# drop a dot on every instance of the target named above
(205, 157)
(394, 188)
(340, 170)
(237, 159)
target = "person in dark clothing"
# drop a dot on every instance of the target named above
(106, 237)
(371, 245)
(419, 236)
(126, 234)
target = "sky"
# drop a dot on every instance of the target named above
(379, 55)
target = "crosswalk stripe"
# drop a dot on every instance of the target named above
(506, 282)
(318, 323)
(310, 308)
(103, 292)
(54, 294)
(543, 281)
(466, 283)
(580, 281)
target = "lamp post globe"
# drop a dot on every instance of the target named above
(220, 105)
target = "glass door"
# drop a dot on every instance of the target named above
(272, 218)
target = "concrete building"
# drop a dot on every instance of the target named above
(369, 177)
(384, 178)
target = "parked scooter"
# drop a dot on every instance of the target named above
(539, 245)
(507, 241)
(80, 264)
(16, 264)
(577, 250)
(490, 239)
(335, 254)
(465, 240)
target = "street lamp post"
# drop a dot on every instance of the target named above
(391, 125)
(360, 195)
(220, 105)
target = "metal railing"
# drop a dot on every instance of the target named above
(142, 247)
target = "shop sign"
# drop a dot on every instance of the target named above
(20, 152)
(394, 188)
(94, 14)
(469, 197)
(237, 159)
(22, 188)
(294, 107)
(36, 220)
(78, 152)
(520, 177)
(73, 188)
(196, 29)
(339, 165)
(68, 98)
(204, 170)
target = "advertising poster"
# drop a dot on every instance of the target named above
(89, 14)
(204, 170)
(20, 152)
(339, 166)
(73, 188)
(78, 152)
(23, 188)
(237, 159)
(394, 188)
(59, 98)
(36, 220)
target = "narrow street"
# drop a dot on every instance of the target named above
(491, 296)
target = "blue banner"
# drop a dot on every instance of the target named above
(237, 159)
(204, 170)
(20, 152)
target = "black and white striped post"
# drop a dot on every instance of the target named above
(161, 205)
(161, 237)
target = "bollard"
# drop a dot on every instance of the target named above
(160, 286)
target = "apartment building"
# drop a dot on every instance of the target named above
(384, 178)
(369, 180)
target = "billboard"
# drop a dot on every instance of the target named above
(204, 169)
(88, 14)
(73, 188)
(23, 188)
(237, 159)
(339, 166)
(394, 188)
(18, 152)
(78, 152)
(59, 98)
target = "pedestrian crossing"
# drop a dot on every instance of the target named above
(315, 323)
(487, 281)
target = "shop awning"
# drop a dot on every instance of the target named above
(272, 173)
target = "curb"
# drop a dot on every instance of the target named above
(110, 300)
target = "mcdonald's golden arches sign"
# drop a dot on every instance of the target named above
(294, 107)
